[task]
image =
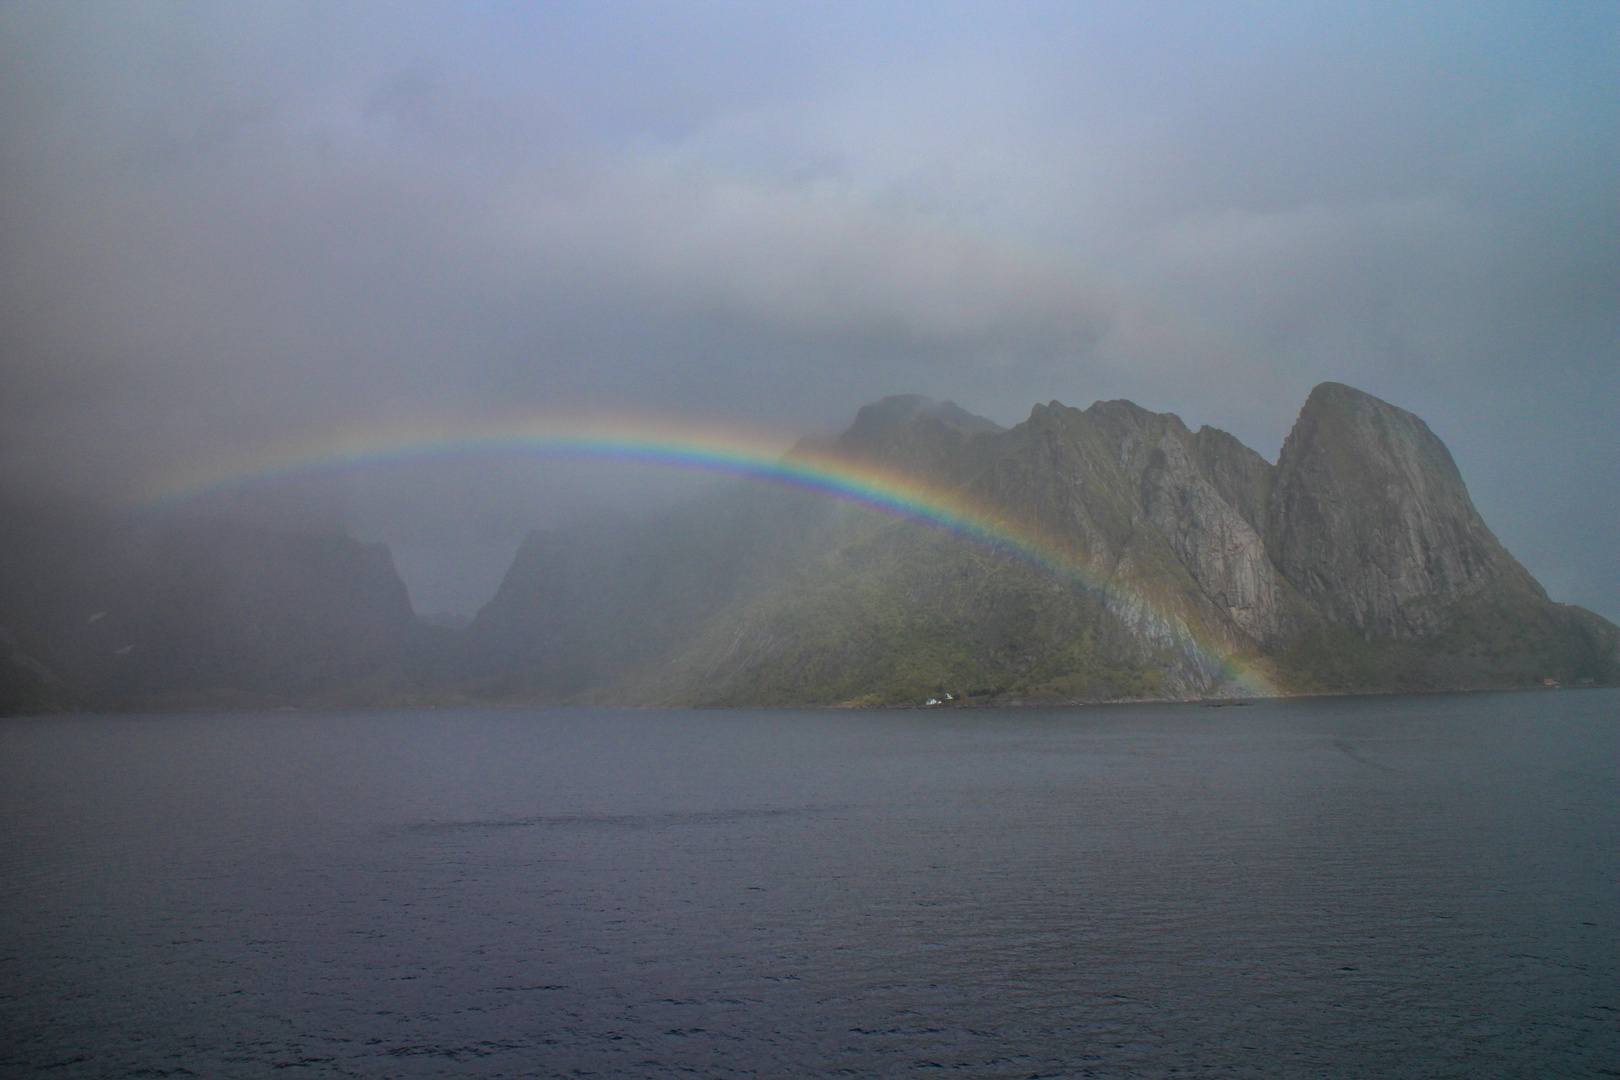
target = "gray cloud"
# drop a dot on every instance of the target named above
(228, 224)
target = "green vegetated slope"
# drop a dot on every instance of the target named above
(897, 614)
(1356, 563)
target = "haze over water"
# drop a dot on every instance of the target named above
(1400, 887)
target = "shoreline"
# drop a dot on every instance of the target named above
(238, 706)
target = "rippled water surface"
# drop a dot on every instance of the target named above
(1384, 887)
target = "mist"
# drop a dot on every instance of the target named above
(229, 226)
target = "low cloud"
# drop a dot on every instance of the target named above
(232, 224)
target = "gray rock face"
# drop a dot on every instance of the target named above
(1370, 519)
(1243, 478)
(1364, 522)
(1130, 483)
(1221, 549)
(1058, 471)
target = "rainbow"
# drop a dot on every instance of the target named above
(658, 443)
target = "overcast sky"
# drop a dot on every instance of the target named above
(222, 224)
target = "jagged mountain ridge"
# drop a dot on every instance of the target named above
(1357, 562)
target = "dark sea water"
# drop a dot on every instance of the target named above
(1382, 887)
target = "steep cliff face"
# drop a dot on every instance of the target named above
(1224, 553)
(1243, 478)
(1133, 491)
(1370, 519)
(234, 608)
(1058, 472)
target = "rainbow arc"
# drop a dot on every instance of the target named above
(659, 444)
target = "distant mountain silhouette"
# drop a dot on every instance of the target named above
(208, 613)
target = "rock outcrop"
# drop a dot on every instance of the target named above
(1221, 549)
(1370, 518)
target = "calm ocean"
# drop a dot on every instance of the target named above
(1376, 887)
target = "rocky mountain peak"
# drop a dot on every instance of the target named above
(1370, 518)
(882, 419)
(914, 433)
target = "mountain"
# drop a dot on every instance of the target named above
(231, 609)
(62, 569)
(204, 614)
(1140, 559)
(1371, 521)
(1356, 563)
